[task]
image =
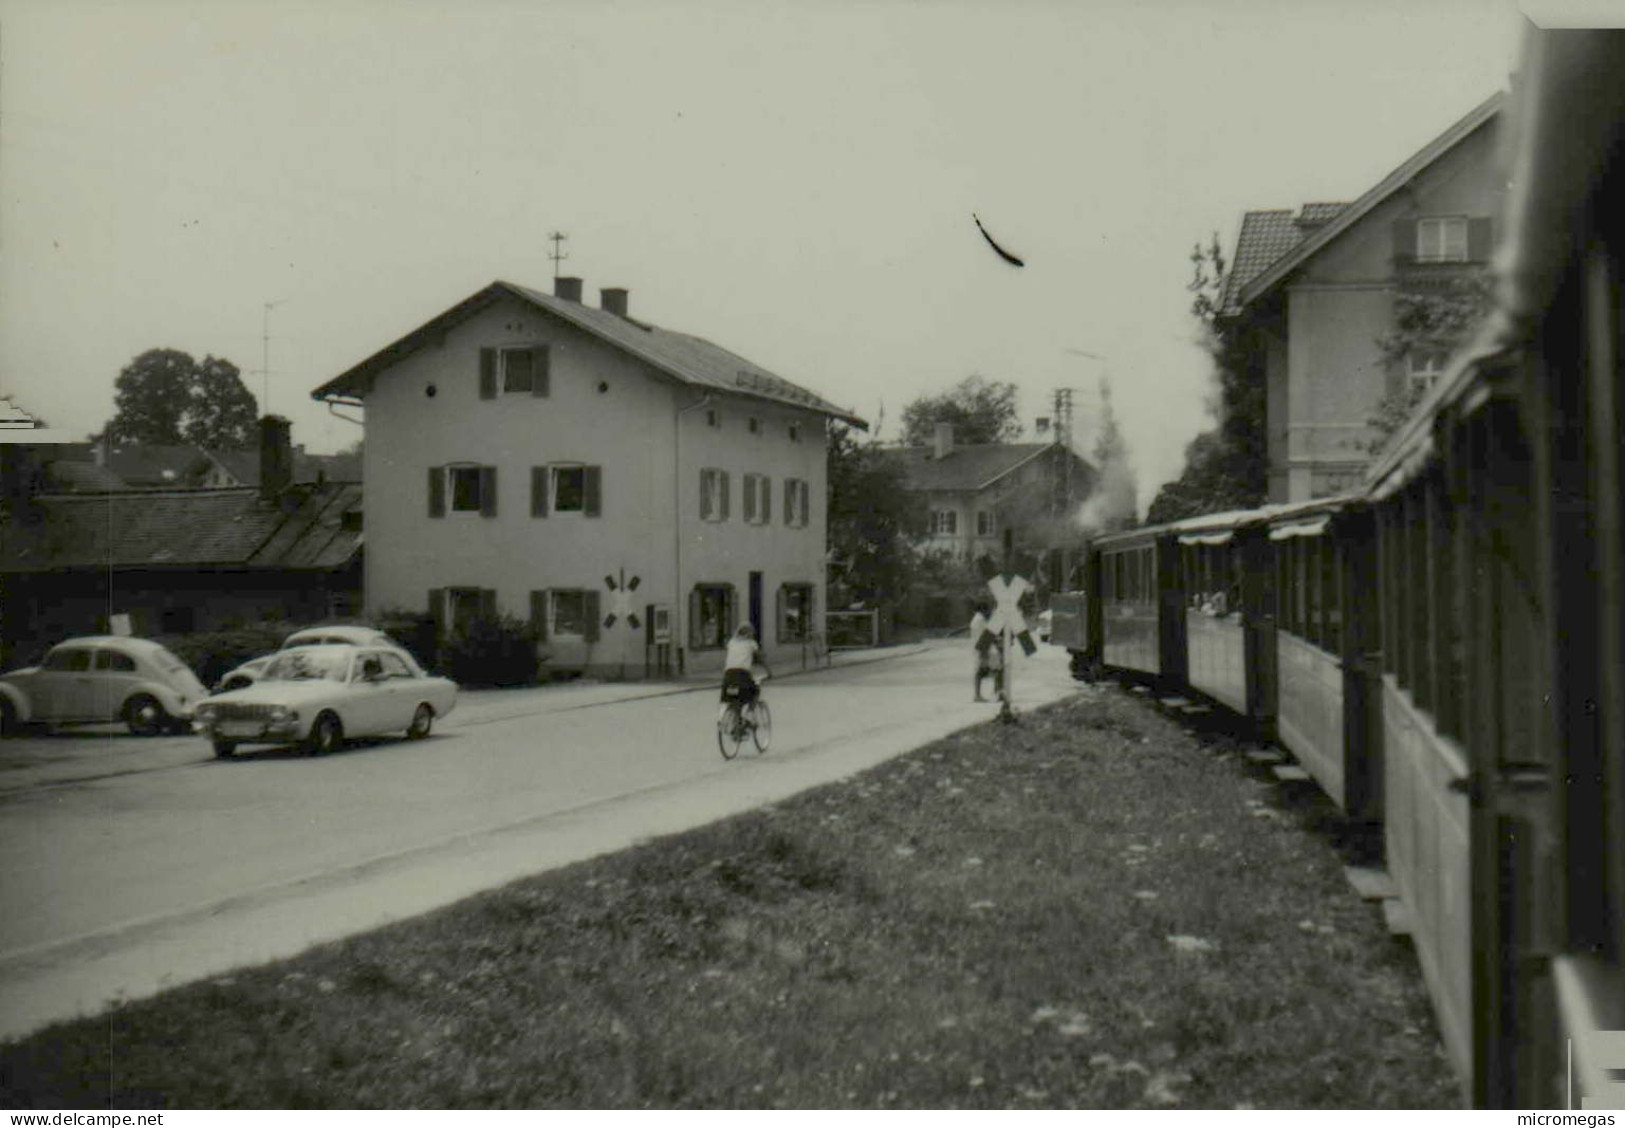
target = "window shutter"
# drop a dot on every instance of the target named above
(789, 501)
(437, 491)
(694, 619)
(538, 615)
(437, 611)
(1404, 241)
(723, 475)
(803, 503)
(779, 614)
(592, 489)
(705, 494)
(488, 491)
(488, 374)
(488, 605)
(594, 613)
(538, 491)
(540, 370)
(750, 499)
(1479, 243)
(766, 516)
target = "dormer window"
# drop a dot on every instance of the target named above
(1442, 239)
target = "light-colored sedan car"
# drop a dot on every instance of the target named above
(103, 678)
(320, 695)
(252, 670)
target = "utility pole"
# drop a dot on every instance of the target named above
(265, 356)
(558, 256)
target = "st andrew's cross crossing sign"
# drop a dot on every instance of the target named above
(1007, 592)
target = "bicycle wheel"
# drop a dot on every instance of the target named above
(730, 732)
(762, 730)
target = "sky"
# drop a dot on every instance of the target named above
(792, 181)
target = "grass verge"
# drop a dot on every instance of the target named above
(1094, 908)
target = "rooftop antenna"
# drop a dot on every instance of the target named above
(265, 356)
(558, 256)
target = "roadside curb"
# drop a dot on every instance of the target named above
(699, 686)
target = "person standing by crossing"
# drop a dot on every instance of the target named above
(986, 651)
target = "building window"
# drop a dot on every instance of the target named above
(514, 371)
(795, 612)
(984, 523)
(713, 495)
(1425, 369)
(466, 487)
(754, 425)
(465, 607)
(1443, 239)
(944, 522)
(796, 503)
(758, 499)
(711, 614)
(518, 373)
(566, 487)
(795, 432)
(567, 614)
(712, 419)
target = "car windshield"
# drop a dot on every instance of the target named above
(309, 663)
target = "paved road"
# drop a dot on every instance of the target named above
(134, 865)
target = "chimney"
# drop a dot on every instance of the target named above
(944, 442)
(613, 299)
(276, 457)
(567, 288)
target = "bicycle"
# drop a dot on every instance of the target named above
(737, 721)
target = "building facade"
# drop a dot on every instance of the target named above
(631, 492)
(1314, 294)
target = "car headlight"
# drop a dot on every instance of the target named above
(283, 713)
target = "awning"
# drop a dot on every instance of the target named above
(1301, 529)
(1207, 538)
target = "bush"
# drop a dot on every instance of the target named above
(500, 651)
(212, 653)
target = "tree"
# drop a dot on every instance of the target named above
(1429, 320)
(873, 522)
(164, 396)
(981, 410)
(1228, 466)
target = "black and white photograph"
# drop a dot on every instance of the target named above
(865, 554)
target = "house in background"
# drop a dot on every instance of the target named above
(631, 491)
(175, 560)
(1313, 292)
(976, 494)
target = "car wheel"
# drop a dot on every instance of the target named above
(225, 749)
(325, 735)
(144, 716)
(422, 722)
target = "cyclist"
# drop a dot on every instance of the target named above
(737, 669)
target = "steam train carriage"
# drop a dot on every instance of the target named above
(1444, 650)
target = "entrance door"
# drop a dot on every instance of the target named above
(756, 606)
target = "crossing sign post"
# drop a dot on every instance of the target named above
(1009, 625)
